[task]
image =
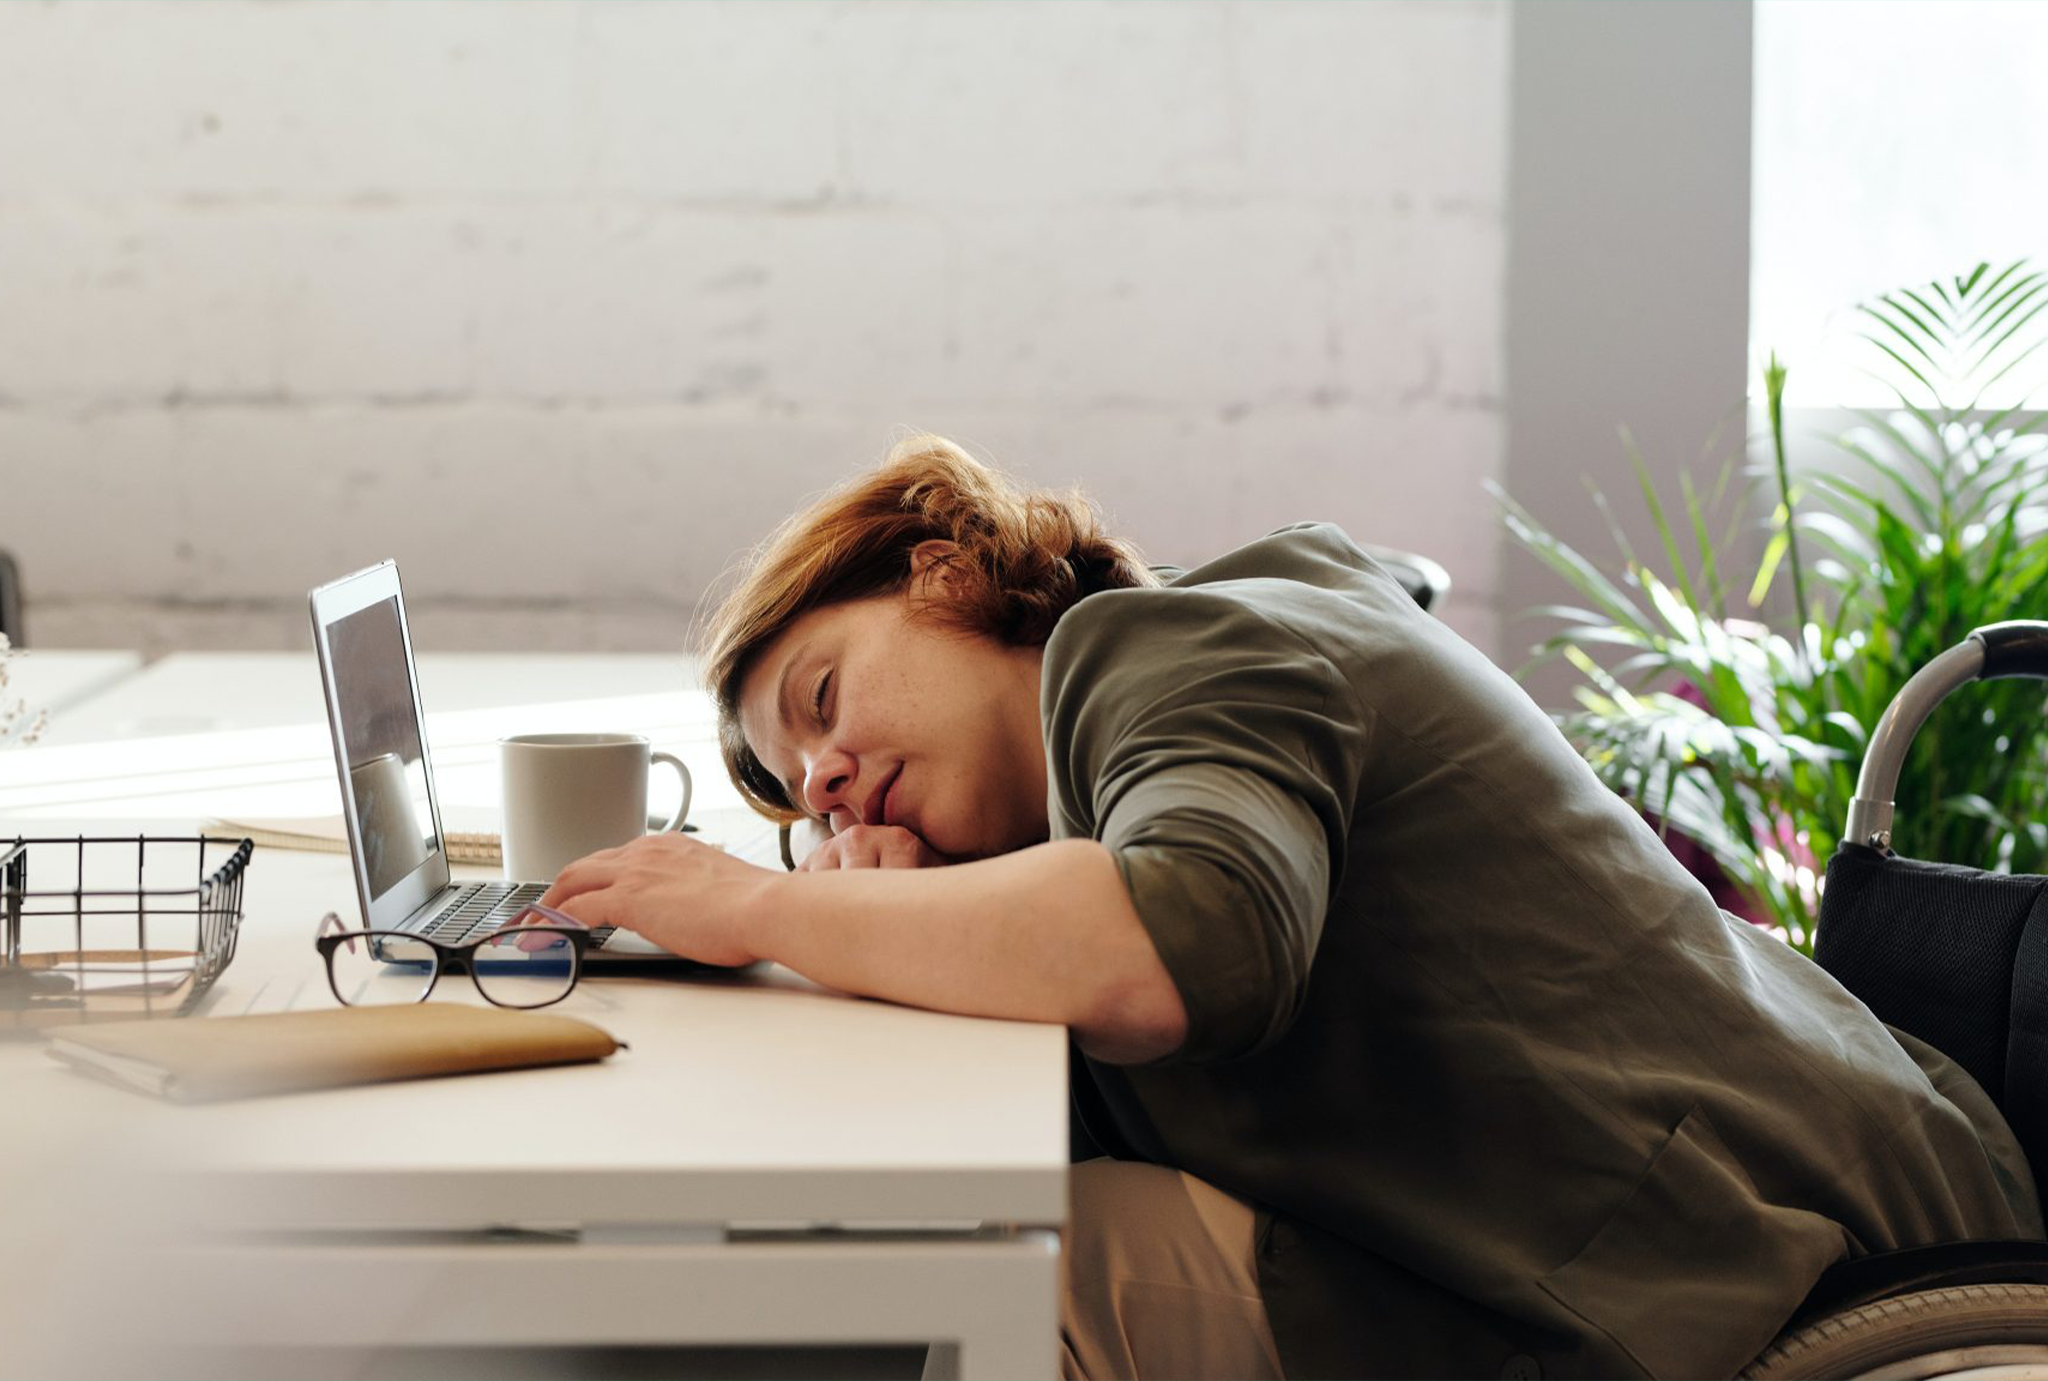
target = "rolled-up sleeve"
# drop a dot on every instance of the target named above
(1215, 753)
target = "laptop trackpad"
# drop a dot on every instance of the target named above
(627, 942)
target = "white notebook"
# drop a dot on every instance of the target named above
(464, 834)
(324, 834)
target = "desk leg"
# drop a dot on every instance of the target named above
(1012, 1330)
(993, 1301)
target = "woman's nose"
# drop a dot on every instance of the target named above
(826, 783)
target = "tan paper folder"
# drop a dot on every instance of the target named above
(199, 1059)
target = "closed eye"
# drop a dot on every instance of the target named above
(818, 698)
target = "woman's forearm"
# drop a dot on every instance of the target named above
(1043, 934)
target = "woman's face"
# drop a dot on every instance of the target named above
(869, 715)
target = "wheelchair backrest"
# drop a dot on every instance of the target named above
(1956, 957)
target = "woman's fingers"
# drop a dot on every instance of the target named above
(840, 851)
(538, 914)
(598, 870)
(593, 908)
(681, 894)
(870, 846)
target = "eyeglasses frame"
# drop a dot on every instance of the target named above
(449, 957)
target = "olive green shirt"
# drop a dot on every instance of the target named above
(1509, 1088)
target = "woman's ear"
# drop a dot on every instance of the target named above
(932, 568)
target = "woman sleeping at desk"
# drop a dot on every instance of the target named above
(1412, 1050)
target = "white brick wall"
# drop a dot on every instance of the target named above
(564, 304)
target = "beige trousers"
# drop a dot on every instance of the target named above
(1160, 1278)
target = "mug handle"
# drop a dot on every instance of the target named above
(683, 810)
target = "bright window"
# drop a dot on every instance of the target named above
(1895, 142)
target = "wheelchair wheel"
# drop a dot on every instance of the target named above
(1985, 1332)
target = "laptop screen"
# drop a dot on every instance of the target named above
(380, 737)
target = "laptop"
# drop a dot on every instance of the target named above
(387, 782)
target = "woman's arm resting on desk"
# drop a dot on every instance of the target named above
(1042, 934)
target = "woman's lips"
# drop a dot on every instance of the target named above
(888, 809)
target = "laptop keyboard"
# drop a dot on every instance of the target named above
(481, 907)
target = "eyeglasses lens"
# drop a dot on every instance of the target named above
(525, 967)
(380, 969)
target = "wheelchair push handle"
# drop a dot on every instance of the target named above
(2018, 647)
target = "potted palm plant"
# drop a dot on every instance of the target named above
(1739, 719)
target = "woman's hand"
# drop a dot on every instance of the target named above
(872, 846)
(687, 897)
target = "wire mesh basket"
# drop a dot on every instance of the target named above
(115, 928)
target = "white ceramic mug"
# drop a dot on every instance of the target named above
(567, 795)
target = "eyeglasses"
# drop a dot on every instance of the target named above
(514, 966)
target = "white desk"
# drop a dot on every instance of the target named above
(768, 1163)
(52, 680)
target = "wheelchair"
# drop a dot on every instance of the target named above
(1959, 959)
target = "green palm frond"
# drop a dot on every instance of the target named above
(1955, 339)
(1746, 736)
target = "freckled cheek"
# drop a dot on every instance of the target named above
(974, 797)
(900, 696)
